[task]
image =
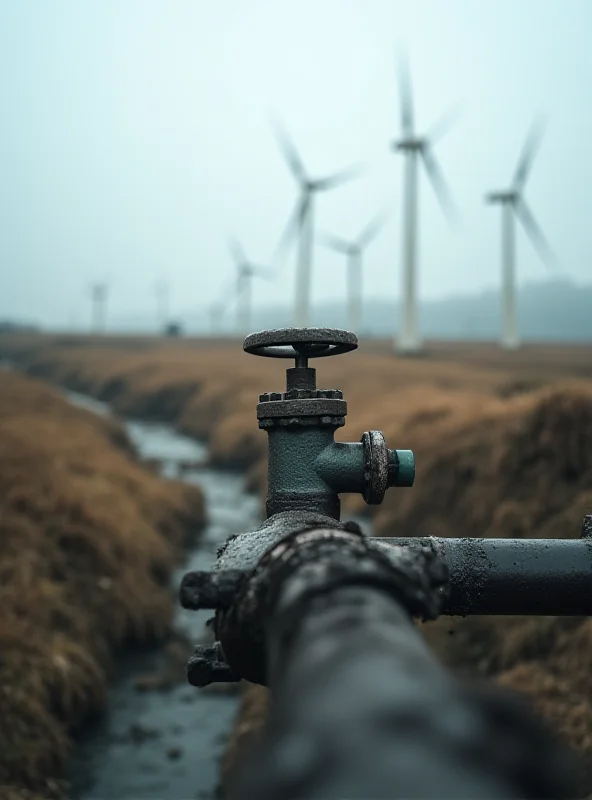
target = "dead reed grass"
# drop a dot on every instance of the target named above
(88, 539)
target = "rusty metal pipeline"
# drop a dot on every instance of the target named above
(511, 576)
(360, 706)
(324, 615)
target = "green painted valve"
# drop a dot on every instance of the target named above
(308, 469)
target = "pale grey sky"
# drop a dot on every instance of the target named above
(135, 139)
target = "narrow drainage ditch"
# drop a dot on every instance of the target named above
(152, 745)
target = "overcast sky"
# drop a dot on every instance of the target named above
(135, 139)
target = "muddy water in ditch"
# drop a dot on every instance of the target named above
(166, 745)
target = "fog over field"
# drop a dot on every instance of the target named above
(555, 310)
(136, 139)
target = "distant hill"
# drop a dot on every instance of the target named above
(555, 310)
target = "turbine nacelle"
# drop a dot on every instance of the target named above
(316, 185)
(405, 145)
(352, 249)
(507, 196)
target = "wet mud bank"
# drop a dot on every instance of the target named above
(161, 737)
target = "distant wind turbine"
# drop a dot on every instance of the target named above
(162, 302)
(99, 293)
(513, 204)
(245, 272)
(301, 221)
(216, 312)
(413, 146)
(353, 251)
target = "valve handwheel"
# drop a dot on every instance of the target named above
(300, 343)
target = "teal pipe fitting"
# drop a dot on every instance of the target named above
(405, 467)
(307, 468)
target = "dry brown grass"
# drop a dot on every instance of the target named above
(503, 444)
(88, 539)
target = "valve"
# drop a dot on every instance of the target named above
(308, 469)
(303, 534)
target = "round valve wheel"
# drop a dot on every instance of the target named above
(300, 343)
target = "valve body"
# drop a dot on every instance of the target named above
(307, 468)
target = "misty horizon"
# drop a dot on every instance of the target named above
(548, 311)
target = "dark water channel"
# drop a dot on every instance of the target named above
(166, 745)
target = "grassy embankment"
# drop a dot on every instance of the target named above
(88, 539)
(503, 444)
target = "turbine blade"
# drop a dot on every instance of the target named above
(372, 229)
(303, 208)
(236, 251)
(439, 183)
(405, 94)
(536, 235)
(288, 149)
(239, 284)
(291, 228)
(529, 151)
(443, 125)
(338, 178)
(334, 242)
(228, 290)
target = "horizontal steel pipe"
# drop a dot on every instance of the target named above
(361, 709)
(511, 576)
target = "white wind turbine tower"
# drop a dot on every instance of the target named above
(301, 221)
(416, 147)
(162, 290)
(513, 204)
(216, 311)
(353, 251)
(245, 272)
(99, 294)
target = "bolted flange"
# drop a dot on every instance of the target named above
(210, 590)
(376, 467)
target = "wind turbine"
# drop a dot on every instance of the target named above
(513, 204)
(301, 221)
(415, 148)
(99, 306)
(245, 272)
(216, 312)
(353, 251)
(162, 289)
